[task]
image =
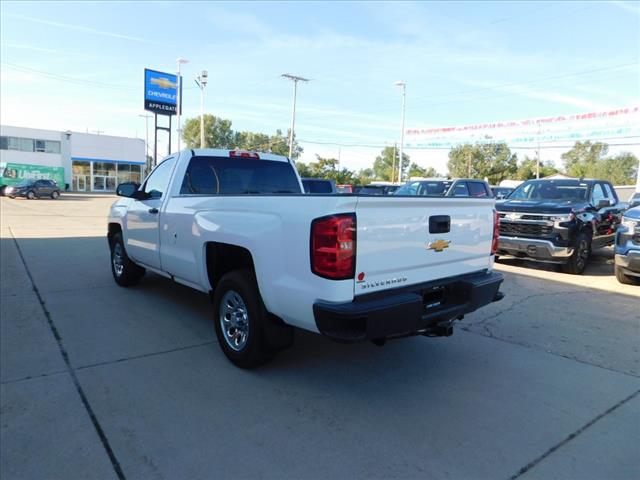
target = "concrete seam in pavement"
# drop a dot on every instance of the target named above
(145, 355)
(65, 356)
(466, 328)
(24, 379)
(573, 435)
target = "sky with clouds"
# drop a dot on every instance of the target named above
(79, 66)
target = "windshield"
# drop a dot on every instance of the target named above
(564, 190)
(436, 188)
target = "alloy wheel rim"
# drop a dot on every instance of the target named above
(234, 320)
(118, 261)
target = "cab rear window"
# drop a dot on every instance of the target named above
(238, 176)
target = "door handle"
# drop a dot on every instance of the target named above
(153, 210)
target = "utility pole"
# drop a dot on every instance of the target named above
(295, 79)
(402, 84)
(146, 140)
(393, 163)
(201, 81)
(538, 161)
(179, 61)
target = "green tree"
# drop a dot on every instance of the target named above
(217, 132)
(254, 142)
(416, 170)
(493, 161)
(279, 144)
(383, 165)
(326, 168)
(619, 170)
(364, 176)
(527, 169)
(581, 160)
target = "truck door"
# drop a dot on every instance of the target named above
(143, 216)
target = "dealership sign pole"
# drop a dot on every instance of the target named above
(160, 98)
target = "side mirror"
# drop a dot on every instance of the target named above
(127, 189)
(603, 204)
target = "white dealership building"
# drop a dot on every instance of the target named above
(83, 161)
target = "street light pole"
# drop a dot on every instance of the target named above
(402, 84)
(179, 61)
(295, 79)
(201, 81)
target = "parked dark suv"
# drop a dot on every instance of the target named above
(34, 189)
(558, 221)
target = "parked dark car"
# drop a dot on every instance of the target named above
(558, 221)
(34, 189)
(461, 187)
(627, 248)
(501, 192)
(319, 185)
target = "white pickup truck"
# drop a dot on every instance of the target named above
(237, 225)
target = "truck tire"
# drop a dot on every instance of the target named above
(623, 278)
(125, 272)
(240, 318)
(578, 260)
(31, 195)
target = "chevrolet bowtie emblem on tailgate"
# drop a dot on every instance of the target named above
(439, 245)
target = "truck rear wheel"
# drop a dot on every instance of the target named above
(240, 319)
(581, 253)
(125, 272)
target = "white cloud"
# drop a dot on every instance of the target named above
(81, 28)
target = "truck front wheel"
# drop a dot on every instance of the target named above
(624, 278)
(125, 272)
(240, 318)
(581, 253)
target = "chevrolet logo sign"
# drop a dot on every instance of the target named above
(163, 82)
(512, 216)
(438, 245)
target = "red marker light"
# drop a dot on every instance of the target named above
(361, 276)
(238, 153)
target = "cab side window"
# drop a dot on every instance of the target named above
(477, 189)
(158, 182)
(460, 190)
(597, 194)
(610, 193)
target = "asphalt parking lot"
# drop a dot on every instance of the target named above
(98, 381)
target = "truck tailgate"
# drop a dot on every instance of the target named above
(395, 247)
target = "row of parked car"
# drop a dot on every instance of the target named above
(556, 221)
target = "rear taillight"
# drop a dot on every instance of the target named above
(333, 246)
(496, 233)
